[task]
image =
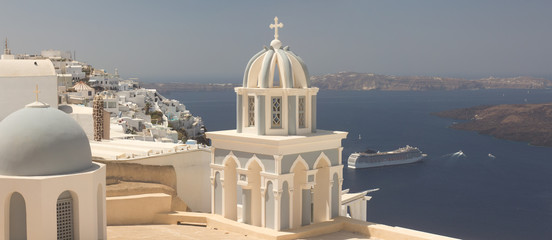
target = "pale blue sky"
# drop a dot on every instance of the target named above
(212, 41)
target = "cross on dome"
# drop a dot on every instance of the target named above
(276, 25)
(36, 92)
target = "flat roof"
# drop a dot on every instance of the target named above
(121, 149)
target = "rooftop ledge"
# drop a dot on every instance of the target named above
(227, 134)
(274, 144)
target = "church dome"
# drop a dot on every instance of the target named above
(261, 70)
(39, 140)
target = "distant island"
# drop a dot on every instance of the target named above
(370, 81)
(183, 87)
(375, 82)
(530, 123)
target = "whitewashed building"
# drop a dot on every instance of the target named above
(276, 170)
(19, 79)
(75, 69)
(100, 78)
(111, 102)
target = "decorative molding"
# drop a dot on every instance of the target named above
(322, 157)
(231, 155)
(254, 158)
(301, 160)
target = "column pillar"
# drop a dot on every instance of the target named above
(292, 207)
(223, 200)
(263, 207)
(212, 191)
(260, 112)
(340, 189)
(239, 111)
(329, 200)
(277, 202)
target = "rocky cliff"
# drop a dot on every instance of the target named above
(520, 122)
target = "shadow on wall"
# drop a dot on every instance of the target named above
(134, 172)
(125, 179)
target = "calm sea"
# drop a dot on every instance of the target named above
(472, 197)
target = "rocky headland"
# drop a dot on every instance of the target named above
(530, 123)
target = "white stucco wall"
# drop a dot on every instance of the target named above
(192, 176)
(18, 80)
(41, 194)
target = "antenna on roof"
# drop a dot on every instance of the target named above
(6, 49)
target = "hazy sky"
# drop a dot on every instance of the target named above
(213, 40)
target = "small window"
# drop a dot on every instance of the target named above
(276, 112)
(64, 209)
(251, 111)
(301, 112)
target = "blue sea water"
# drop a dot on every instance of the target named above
(472, 197)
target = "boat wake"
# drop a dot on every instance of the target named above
(458, 154)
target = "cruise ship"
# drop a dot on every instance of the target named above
(370, 158)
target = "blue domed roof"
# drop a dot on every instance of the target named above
(39, 140)
(260, 70)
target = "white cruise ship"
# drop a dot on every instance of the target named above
(402, 155)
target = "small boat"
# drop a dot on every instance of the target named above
(491, 155)
(359, 137)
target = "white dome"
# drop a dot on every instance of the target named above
(39, 140)
(260, 71)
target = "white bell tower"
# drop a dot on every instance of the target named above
(276, 170)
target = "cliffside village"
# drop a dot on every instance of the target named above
(134, 112)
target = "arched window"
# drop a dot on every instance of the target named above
(250, 111)
(218, 194)
(65, 216)
(276, 112)
(18, 217)
(269, 206)
(301, 110)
